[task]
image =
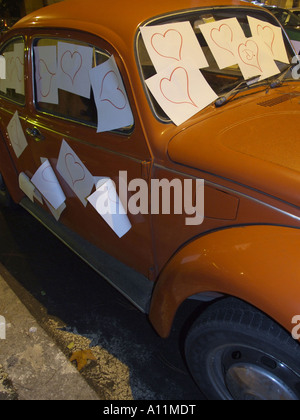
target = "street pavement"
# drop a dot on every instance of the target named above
(71, 310)
(32, 365)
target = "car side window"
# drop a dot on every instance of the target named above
(62, 81)
(53, 100)
(13, 86)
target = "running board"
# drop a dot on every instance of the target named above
(133, 285)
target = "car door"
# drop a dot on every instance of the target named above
(62, 132)
(13, 105)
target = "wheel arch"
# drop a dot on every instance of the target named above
(258, 264)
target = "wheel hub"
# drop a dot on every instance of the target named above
(250, 382)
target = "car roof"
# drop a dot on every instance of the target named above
(118, 16)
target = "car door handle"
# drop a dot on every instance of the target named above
(35, 133)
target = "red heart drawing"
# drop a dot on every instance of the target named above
(10, 62)
(222, 37)
(19, 68)
(47, 175)
(111, 92)
(75, 169)
(45, 79)
(249, 54)
(168, 45)
(169, 87)
(71, 64)
(268, 36)
(15, 65)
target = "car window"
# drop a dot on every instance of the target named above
(75, 100)
(13, 87)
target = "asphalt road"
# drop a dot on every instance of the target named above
(69, 291)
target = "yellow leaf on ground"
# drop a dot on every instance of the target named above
(82, 357)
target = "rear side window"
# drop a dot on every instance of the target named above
(62, 81)
(13, 87)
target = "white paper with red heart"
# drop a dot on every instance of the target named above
(254, 58)
(46, 74)
(15, 69)
(271, 36)
(48, 185)
(107, 203)
(74, 64)
(173, 44)
(181, 92)
(113, 107)
(220, 36)
(74, 172)
(16, 135)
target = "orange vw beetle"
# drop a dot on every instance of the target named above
(159, 141)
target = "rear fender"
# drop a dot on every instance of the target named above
(258, 264)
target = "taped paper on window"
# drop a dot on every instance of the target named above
(74, 64)
(173, 44)
(181, 92)
(113, 107)
(46, 74)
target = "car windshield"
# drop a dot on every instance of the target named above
(216, 42)
(286, 18)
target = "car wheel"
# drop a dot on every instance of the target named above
(235, 352)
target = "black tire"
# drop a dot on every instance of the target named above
(235, 352)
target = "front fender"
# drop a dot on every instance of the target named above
(258, 264)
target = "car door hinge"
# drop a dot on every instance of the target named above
(146, 169)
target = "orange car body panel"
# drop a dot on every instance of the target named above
(248, 245)
(257, 264)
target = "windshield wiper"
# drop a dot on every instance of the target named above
(223, 99)
(280, 78)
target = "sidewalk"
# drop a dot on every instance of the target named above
(30, 362)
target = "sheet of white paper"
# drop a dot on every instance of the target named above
(110, 97)
(26, 186)
(173, 44)
(2, 67)
(181, 92)
(16, 135)
(46, 182)
(219, 36)
(19, 68)
(254, 58)
(45, 74)
(272, 37)
(107, 203)
(15, 69)
(74, 64)
(74, 172)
